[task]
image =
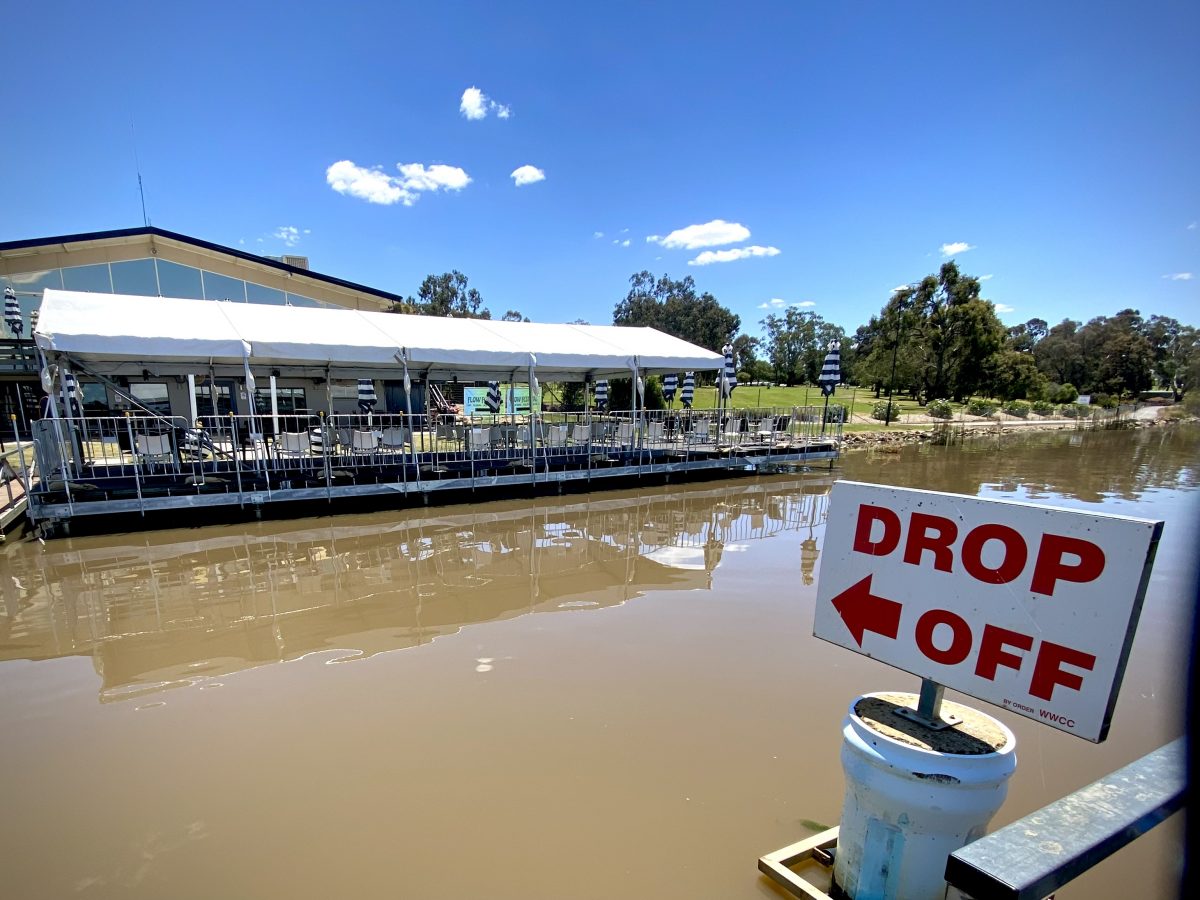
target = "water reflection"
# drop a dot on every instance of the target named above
(154, 611)
(1088, 466)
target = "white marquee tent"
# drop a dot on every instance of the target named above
(118, 334)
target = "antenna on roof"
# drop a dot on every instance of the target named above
(138, 168)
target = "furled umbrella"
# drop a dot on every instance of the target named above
(33, 320)
(602, 394)
(689, 389)
(366, 395)
(729, 381)
(831, 374)
(493, 399)
(12, 312)
(669, 386)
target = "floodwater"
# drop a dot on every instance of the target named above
(594, 697)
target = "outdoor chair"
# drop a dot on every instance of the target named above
(150, 449)
(580, 434)
(363, 443)
(393, 438)
(625, 433)
(555, 436)
(698, 433)
(479, 439)
(655, 433)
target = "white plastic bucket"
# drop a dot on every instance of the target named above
(914, 795)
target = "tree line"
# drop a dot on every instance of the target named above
(937, 338)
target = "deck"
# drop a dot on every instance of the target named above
(137, 469)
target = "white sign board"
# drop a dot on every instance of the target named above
(1031, 608)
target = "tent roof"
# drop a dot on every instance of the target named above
(112, 329)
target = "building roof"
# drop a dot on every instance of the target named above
(116, 333)
(12, 249)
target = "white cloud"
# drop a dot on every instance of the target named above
(986, 277)
(898, 287)
(289, 234)
(625, 243)
(1003, 307)
(308, 231)
(710, 234)
(624, 231)
(956, 248)
(719, 256)
(764, 306)
(475, 104)
(776, 301)
(376, 186)
(1192, 226)
(804, 303)
(527, 175)
(597, 234)
(1179, 276)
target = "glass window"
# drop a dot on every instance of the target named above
(222, 287)
(35, 282)
(257, 293)
(297, 300)
(95, 399)
(288, 399)
(152, 396)
(175, 280)
(87, 278)
(135, 276)
(206, 394)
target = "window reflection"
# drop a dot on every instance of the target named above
(175, 280)
(257, 293)
(222, 287)
(88, 278)
(136, 277)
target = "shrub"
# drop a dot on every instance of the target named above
(980, 407)
(836, 413)
(1066, 393)
(880, 410)
(1043, 407)
(1019, 408)
(940, 409)
(1076, 410)
(1191, 403)
(1105, 401)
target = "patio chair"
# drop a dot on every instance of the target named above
(151, 449)
(555, 436)
(625, 433)
(580, 434)
(479, 439)
(655, 433)
(698, 433)
(363, 443)
(393, 438)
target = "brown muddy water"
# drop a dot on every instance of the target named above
(610, 696)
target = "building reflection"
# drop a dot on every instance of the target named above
(157, 612)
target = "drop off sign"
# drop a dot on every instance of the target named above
(1028, 607)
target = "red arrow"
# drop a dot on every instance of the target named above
(863, 611)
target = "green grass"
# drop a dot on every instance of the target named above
(860, 399)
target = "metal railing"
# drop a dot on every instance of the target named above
(136, 456)
(1035, 856)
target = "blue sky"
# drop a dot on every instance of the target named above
(849, 142)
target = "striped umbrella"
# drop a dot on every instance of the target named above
(689, 389)
(366, 395)
(492, 400)
(729, 382)
(602, 394)
(12, 312)
(73, 399)
(670, 383)
(33, 320)
(831, 370)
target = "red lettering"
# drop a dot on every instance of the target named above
(888, 541)
(933, 533)
(1015, 554)
(1049, 568)
(1047, 674)
(992, 653)
(960, 642)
